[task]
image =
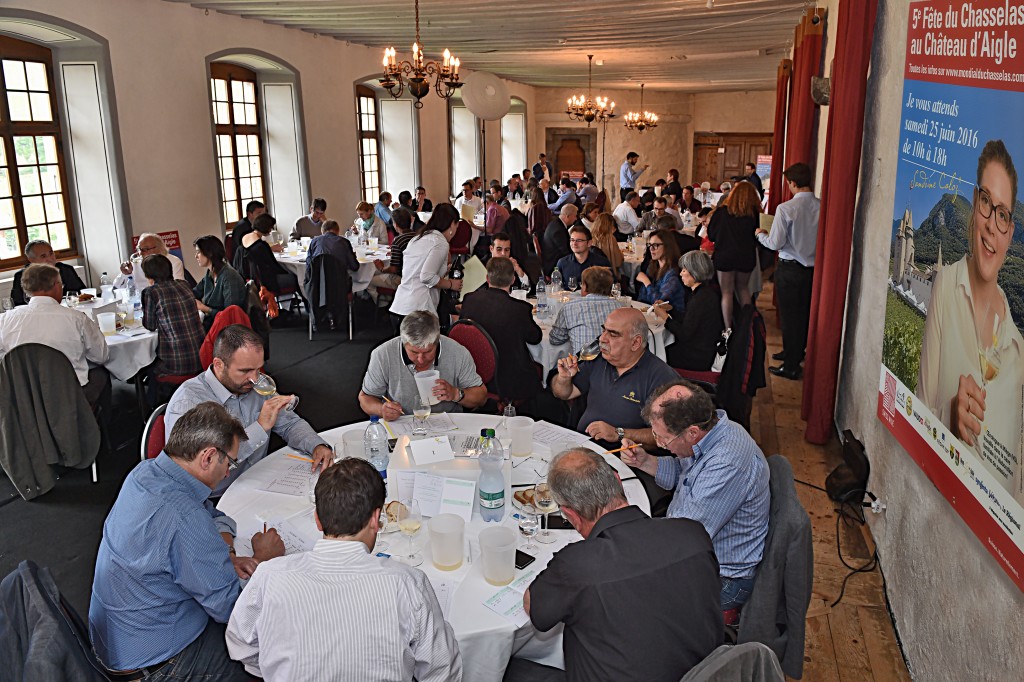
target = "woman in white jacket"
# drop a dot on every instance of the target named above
(424, 264)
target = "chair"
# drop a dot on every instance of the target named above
(328, 291)
(229, 316)
(41, 635)
(460, 242)
(167, 383)
(750, 662)
(485, 354)
(776, 612)
(45, 419)
(153, 434)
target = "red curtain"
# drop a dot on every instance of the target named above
(800, 118)
(775, 183)
(855, 32)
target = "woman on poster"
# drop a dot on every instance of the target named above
(971, 372)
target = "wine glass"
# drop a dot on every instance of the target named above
(590, 351)
(616, 291)
(529, 524)
(381, 545)
(572, 285)
(545, 504)
(267, 387)
(409, 522)
(420, 413)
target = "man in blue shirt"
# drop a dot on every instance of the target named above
(167, 575)
(567, 195)
(628, 174)
(719, 475)
(237, 359)
(382, 209)
(582, 256)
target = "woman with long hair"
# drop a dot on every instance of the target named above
(538, 215)
(732, 229)
(222, 286)
(661, 281)
(604, 239)
(424, 264)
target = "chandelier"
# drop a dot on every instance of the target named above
(416, 74)
(641, 120)
(582, 108)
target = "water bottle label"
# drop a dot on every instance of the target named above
(492, 500)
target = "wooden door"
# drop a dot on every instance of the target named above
(570, 158)
(720, 156)
(706, 165)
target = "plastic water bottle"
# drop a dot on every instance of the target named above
(542, 299)
(492, 481)
(375, 445)
(556, 281)
(105, 280)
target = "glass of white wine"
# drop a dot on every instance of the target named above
(546, 504)
(420, 413)
(529, 525)
(409, 522)
(571, 285)
(591, 351)
(381, 545)
(267, 387)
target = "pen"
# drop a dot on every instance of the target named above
(627, 447)
(300, 457)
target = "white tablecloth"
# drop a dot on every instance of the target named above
(360, 278)
(486, 640)
(129, 352)
(547, 354)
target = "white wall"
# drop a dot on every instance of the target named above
(957, 613)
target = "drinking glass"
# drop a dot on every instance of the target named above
(571, 285)
(267, 387)
(381, 545)
(6, 304)
(409, 522)
(529, 524)
(590, 351)
(616, 291)
(420, 413)
(545, 505)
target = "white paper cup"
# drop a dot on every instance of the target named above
(519, 294)
(373, 242)
(305, 242)
(352, 444)
(425, 385)
(520, 431)
(107, 292)
(498, 555)
(107, 323)
(446, 541)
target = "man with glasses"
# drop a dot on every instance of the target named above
(237, 359)
(167, 574)
(149, 244)
(720, 478)
(649, 221)
(309, 225)
(794, 235)
(582, 256)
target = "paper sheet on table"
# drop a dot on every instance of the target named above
(405, 482)
(765, 221)
(508, 601)
(468, 212)
(293, 481)
(441, 422)
(458, 497)
(298, 531)
(474, 276)
(445, 592)
(549, 434)
(427, 492)
(431, 450)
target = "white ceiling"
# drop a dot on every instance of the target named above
(667, 44)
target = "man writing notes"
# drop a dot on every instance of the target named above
(639, 597)
(237, 359)
(167, 575)
(338, 612)
(389, 386)
(719, 475)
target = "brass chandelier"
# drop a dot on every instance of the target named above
(641, 120)
(416, 74)
(580, 108)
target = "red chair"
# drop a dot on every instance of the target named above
(460, 242)
(481, 346)
(153, 434)
(229, 316)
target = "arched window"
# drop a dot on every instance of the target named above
(33, 181)
(369, 143)
(233, 95)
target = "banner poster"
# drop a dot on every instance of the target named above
(952, 382)
(171, 240)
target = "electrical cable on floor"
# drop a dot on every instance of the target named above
(809, 485)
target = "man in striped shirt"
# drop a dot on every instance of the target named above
(338, 612)
(719, 475)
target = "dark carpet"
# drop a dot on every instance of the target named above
(61, 530)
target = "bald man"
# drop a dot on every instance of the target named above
(149, 244)
(617, 383)
(40, 251)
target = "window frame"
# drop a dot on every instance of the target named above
(231, 73)
(20, 50)
(369, 194)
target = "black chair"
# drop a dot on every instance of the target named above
(41, 635)
(329, 292)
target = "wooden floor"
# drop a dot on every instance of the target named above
(855, 641)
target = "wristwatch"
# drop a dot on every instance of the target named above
(621, 433)
(462, 394)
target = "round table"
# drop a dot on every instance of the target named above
(360, 278)
(486, 639)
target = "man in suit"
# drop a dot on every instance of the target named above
(243, 227)
(510, 323)
(556, 237)
(753, 178)
(543, 168)
(40, 251)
